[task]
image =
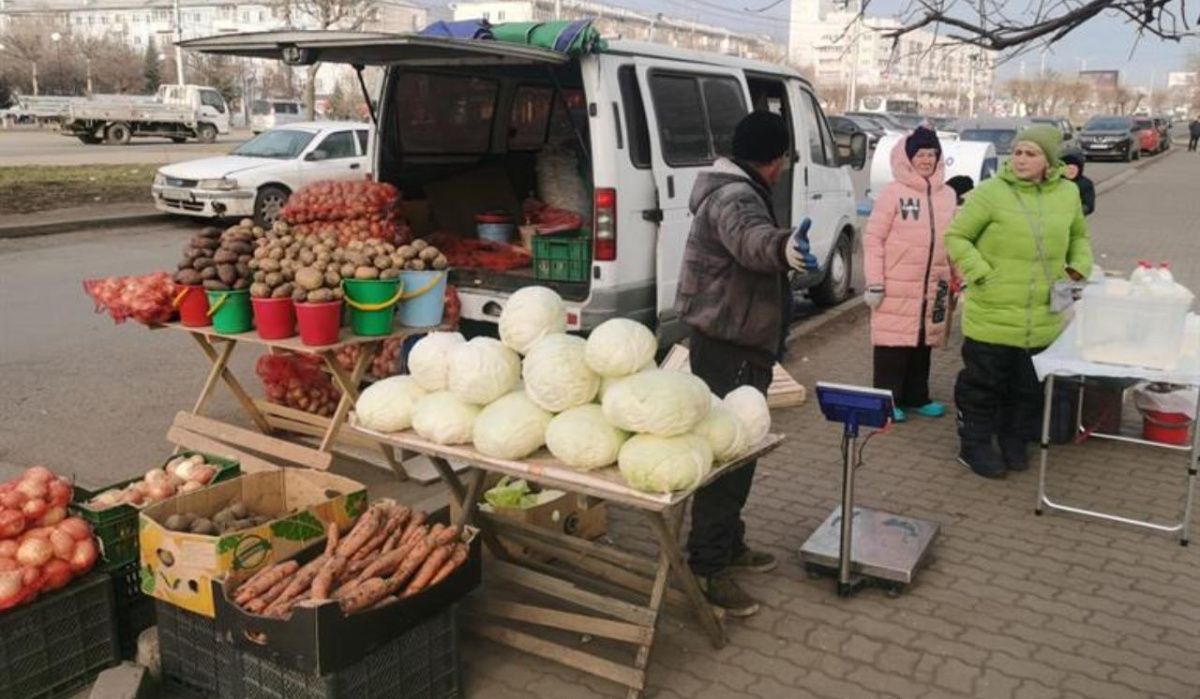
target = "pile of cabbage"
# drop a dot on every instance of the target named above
(592, 403)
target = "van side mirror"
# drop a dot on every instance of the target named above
(857, 157)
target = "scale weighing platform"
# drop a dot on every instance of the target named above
(871, 546)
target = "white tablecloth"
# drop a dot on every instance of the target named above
(1063, 359)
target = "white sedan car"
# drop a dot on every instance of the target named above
(258, 176)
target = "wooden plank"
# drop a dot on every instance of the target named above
(305, 428)
(506, 526)
(349, 387)
(668, 542)
(214, 373)
(294, 344)
(549, 585)
(548, 650)
(198, 442)
(231, 382)
(656, 600)
(557, 619)
(254, 441)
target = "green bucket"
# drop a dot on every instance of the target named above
(372, 304)
(230, 311)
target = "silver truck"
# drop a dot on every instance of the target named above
(177, 112)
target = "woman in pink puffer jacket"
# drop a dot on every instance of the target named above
(908, 273)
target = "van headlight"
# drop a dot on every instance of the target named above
(224, 184)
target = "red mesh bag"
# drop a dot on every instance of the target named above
(298, 381)
(147, 299)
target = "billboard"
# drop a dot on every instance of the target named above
(1101, 79)
(1183, 79)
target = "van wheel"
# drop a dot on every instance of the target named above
(118, 134)
(206, 133)
(835, 287)
(269, 204)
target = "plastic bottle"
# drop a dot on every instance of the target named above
(1164, 273)
(1141, 275)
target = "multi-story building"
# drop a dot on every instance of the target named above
(830, 41)
(613, 21)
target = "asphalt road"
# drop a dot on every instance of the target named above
(32, 146)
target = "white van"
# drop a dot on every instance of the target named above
(461, 125)
(266, 114)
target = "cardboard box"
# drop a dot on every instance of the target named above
(318, 638)
(572, 514)
(178, 567)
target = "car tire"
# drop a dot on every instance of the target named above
(118, 134)
(834, 287)
(206, 133)
(178, 139)
(269, 203)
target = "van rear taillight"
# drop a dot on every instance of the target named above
(604, 224)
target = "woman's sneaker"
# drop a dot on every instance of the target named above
(932, 409)
(898, 415)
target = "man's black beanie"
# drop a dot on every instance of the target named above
(920, 138)
(760, 137)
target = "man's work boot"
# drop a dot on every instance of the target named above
(754, 561)
(981, 458)
(1015, 452)
(723, 592)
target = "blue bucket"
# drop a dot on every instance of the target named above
(424, 300)
(495, 232)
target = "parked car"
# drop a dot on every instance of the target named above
(1148, 134)
(1000, 132)
(257, 177)
(271, 113)
(844, 129)
(1110, 137)
(467, 123)
(1063, 124)
(888, 122)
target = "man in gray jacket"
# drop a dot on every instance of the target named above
(735, 297)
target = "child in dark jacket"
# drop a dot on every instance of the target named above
(1074, 161)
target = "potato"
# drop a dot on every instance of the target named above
(307, 257)
(389, 273)
(440, 262)
(209, 272)
(191, 253)
(407, 252)
(382, 262)
(355, 245)
(419, 244)
(299, 295)
(337, 255)
(270, 264)
(388, 248)
(273, 279)
(309, 278)
(216, 285)
(245, 259)
(210, 232)
(347, 270)
(415, 265)
(275, 252)
(246, 222)
(241, 283)
(356, 258)
(260, 290)
(288, 275)
(365, 272)
(320, 296)
(205, 243)
(257, 230)
(227, 273)
(225, 257)
(243, 270)
(339, 293)
(332, 278)
(261, 252)
(202, 262)
(429, 254)
(188, 276)
(204, 526)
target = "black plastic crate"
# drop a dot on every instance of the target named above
(193, 657)
(135, 610)
(424, 663)
(58, 643)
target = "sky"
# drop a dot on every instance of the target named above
(1104, 43)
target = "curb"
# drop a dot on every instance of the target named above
(73, 226)
(1114, 182)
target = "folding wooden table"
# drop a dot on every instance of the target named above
(596, 581)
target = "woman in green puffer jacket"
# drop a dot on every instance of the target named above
(1017, 234)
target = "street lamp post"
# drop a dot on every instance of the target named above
(56, 37)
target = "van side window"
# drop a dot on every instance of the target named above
(812, 129)
(530, 116)
(726, 106)
(685, 134)
(635, 117)
(444, 113)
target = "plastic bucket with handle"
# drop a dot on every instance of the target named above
(1165, 428)
(320, 323)
(372, 304)
(230, 311)
(424, 302)
(274, 318)
(193, 307)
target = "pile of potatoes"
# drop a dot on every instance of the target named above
(234, 518)
(310, 267)
(219, 261)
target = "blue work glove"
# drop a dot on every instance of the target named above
(799, 257)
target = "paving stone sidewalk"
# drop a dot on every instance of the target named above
(1012, 606)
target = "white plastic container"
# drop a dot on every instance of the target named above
(1118, 326)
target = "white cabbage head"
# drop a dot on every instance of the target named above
(725, 433)
(607, 382)
(512, 427)
(530, 314)
(428, 360)
(583, 439)
(664, 464)
(387, 405)
(556, 374)
(482, 370)
(665, 403)
(749, 404)
(444, 418)
(619, 347)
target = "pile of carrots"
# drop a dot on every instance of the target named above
(389, 554)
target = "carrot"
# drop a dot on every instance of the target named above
(374, 543)
(457, 558)
(415, 522)
(260, 584)
(303, 578)
(323, 582)
(365, 595)
(414, 534)
(416, 556)
(331, 538)
(367, 525)
(445, 536)
(428, 569)
(386, 601)
(241, 591)
(388, 562)
(265, 599)
(346, 589)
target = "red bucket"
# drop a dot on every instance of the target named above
(1165, 428)
(319, 323)
(192, 303)
(274, 318)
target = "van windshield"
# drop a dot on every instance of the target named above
(260, 107)
(283, 144)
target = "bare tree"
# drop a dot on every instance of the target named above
(999, 24)
(27, 40)
(326, 14)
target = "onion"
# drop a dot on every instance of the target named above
(190, 487)
(40, 474)
(203, 474)
(60, 492)
(56, 574)
(10, 585)
(156, 476)
(63, 544)
(8, 563)
(35, 551)
(185, 470)
(8, 550)
(107, 499)
(31, 576)
(53, 516)
(76, 527)
(34, 508)
(12, 523)
(84, 557)
(12, 498)
(32, 489)
(158, 493)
